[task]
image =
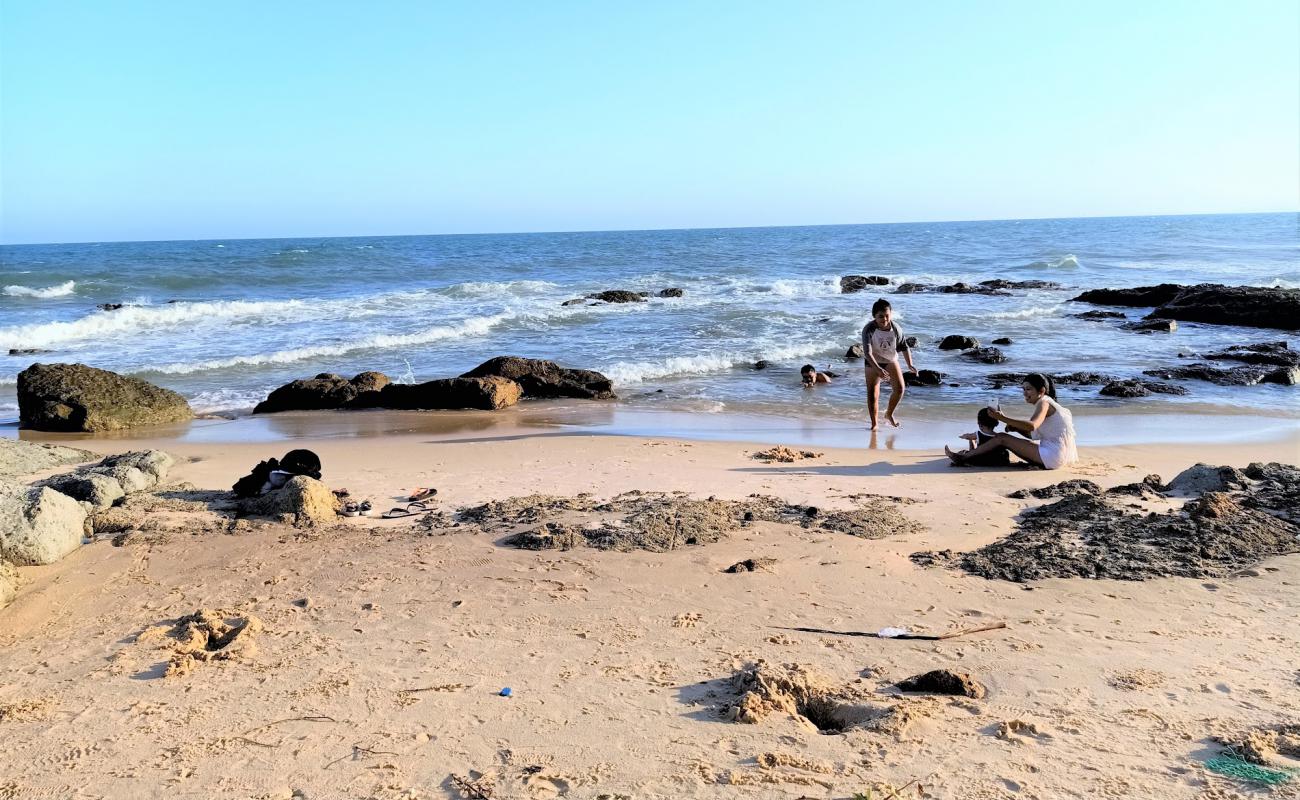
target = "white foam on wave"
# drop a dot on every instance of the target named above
(1283, 283)
(800, 288)
(489, 289)
(1067, 261)
(640, 371)
(226, 401)
(61, 290)
(1026, 313)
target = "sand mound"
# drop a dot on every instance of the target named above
(794, 689)
(751, 565)
(785, 455)
(1089, 536)
(1275, 745)
(206, 635)
(942, 681)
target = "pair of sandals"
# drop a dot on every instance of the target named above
(363, 509)
(414, 504)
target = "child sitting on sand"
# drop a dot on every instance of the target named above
(811, 377)
(987, 430)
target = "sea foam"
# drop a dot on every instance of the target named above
(61, 290)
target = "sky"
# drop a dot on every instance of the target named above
(178, 120)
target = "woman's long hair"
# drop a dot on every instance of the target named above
(1042, 383)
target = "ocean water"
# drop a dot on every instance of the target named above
(224, 322)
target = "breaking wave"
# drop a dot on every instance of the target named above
(62, 290)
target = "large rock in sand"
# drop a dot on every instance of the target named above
(488, 393)
(38, 525)
(114, 477)
(74, 397)
(302, 501)
(546, 379)
(19, 458)
(326, 391)
(8, 583)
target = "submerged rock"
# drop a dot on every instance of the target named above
(1064, 379)
(618, 296)
(1277, 354)
(1151, 325)
(488, 393)
(1098, 315)
(924, 377)
(986, 355)
(74, 397)
(1003, 341)
(546, 379)
(1133, 387)
(854, 351)
(1003, 283)
(1244, 375)
(856, 283)
(673, 292)
(956, 342)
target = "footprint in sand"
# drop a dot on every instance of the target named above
(687, 619)
(544, 785)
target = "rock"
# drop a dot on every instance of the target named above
(1003, 341)
(1245, 375)
(1266, 353)
(1201, 478)
(1150, 487)
(942, 681)
(618, 296)
(1100, 314)
(986, 355)
(8, 583)
(750, 565)
(325, 391)
(27, 351)
(489, 393)
(1140, 297)
(925, 377)
(546, 379)
(760, 364)
(38, 525)
(964, 288)
(100, 491)
(1150, 325)
(577, 301)
(955, 342)
(911, 288)
(304, 501)
(105, 483)
(19, 458)
(910, 341)
(1003, 283)
(154, 463)
(74, 397)
(1133, 387)
(1062, 489)
(856, 283)
(674, 292)
(854, 351)
(1065, 379)
(109, 306)
(1249, 306)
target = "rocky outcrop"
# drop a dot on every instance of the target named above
(856, 283)
(38, 525)
(326, 391)
(1003, 283)
(673, 292)
(618, 296)
(1277, 354)
(955, 342)
(924, 377)
(1213, 303)
(27, 351)
(956, 288)
(489, 393)
(18, 458)
(303, 502)
(1099, 315)
(74, 397)
(1003, 341)
(546, 379)
(104, 484)
(854, 351)
(986, 355)
(999, 379)
(761, 364)
(8, 583)
(1151, 325)
(1244, 375)
(1201, 478)
(1133, 387)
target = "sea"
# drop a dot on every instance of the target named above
(223, 322)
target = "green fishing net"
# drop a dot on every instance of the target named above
(1233, 766)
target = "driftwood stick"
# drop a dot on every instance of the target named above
(317, 718)
(928, 637)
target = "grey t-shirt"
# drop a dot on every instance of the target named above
(886, 343)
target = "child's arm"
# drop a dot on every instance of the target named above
(970, 437)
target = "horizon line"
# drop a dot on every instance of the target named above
(646, 230)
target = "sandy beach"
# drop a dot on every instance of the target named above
(376, 651)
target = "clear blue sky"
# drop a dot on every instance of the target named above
(129, 120)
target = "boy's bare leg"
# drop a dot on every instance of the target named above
(896, 391)
(873, 395)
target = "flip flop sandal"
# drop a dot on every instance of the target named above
(341, 493)
(411, 510)
(422, 494)
(350, 510)
(365, 509)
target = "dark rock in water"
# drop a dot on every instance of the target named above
(488, 393)
(1003, 283)
(1139, 297)
(74, 397)
(955, 342)
(760, 364)
(618, 296)
(1150, 325)
(1064, 379)
(824, 319)
(577, 301)
(546, 379)
(326, 391)
(911, 288)
(910, 341)
(109, 306)
(1062, 489)
(986, 355)
(1266, 353)
(1003, 341)
(1100, 314)
(750, 565)
(27, 351)
(856, 283)
(942, 681)
(1201, 478)
(854, 351)
(674, 292)
(1249, 306)
(1245, 375)
(925, 377)
(965, 288)
(1092, 537)
(1133, 387)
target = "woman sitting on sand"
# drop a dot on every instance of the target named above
(1051, 424)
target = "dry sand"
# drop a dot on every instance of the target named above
(366, 660)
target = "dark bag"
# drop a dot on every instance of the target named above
(251, 484)
(301, 462)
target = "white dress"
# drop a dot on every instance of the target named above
(1056, 437)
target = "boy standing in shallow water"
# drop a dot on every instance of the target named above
(883, 340)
